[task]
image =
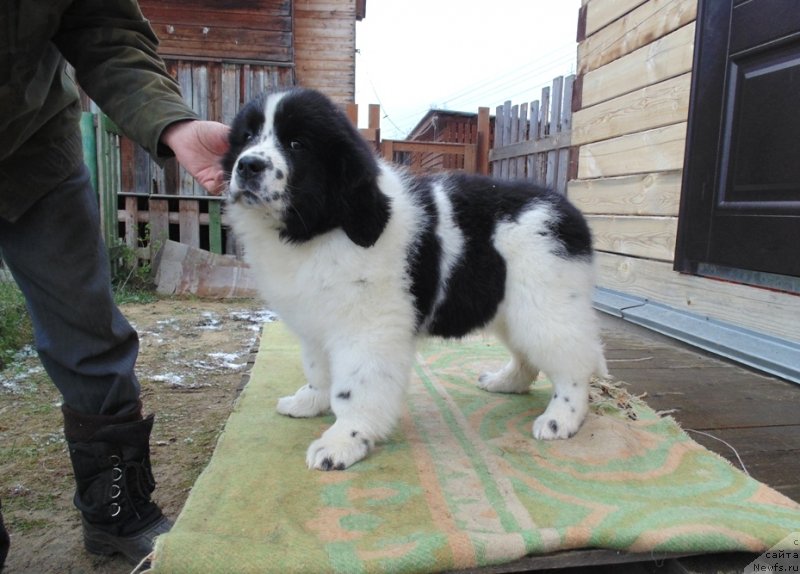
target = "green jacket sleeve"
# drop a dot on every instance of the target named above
(113, 50)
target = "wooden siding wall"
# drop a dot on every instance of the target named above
(325, 46)
(629, 127)
(256, 30)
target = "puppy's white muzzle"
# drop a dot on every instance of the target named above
(256, 181)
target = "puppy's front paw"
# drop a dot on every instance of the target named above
(337, 450)
(557, 422)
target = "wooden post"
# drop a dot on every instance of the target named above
(387, 150)
(352, 112)
(215, 226)
(484, 127)
(471, 158)
(89, 146)
(158, 210)
(374, 117)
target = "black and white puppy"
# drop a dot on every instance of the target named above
(359, 259)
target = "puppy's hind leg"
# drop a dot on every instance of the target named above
(367, 392)
(515, 377)
(518, 374)
(313, 398)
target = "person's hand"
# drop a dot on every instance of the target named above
(198, 146)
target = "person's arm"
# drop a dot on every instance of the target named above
(113, 50)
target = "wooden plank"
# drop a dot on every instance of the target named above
(130, 221)
(556, 141)
(566, 109)
(647, 194)
(482, 136)
(600, 13)
(562, 174)
(660, 149)
(224, 43)
(230, 97)
(540, 161)
(215, 227)
(762, 310)
(189, 212)
(533, 135)
(522, 135)
(555, 127)
(651, 107)
(505, 167)
(158, 222)
(426, 147)
(513, 138)
(256, 13)
(651, 237)
(650, 21)
(471, 158)
(660, 60)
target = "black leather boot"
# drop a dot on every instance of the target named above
(111, 461)
(5, 539)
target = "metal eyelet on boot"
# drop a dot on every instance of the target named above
(116, 490)
(114, 509)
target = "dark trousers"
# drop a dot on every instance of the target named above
(58, 259)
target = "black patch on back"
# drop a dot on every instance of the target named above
(476, 285)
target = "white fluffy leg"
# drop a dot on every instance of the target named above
(314, 398)
(515, 377)
(305, 403)
(367, 396)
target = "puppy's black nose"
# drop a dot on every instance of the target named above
(252, 165)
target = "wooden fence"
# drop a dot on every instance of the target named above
(532, 141)
(458, 142)
(140, 221)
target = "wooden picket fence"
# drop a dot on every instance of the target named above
(138, 221)
(532, 141)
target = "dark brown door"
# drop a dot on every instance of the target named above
(740, 205)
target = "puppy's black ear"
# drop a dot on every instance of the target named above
(365, 212)
(364, 207)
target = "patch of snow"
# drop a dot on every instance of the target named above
(170, 378)
(209, 321)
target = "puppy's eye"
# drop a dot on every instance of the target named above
(296, 145)
(247, 136)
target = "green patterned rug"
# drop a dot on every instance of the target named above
(460, 484)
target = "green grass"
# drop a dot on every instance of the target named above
(15, 325)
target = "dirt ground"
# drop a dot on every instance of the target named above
(193, 362)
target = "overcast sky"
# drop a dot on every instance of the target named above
(414, 55)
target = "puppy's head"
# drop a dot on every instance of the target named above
(296, 157)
